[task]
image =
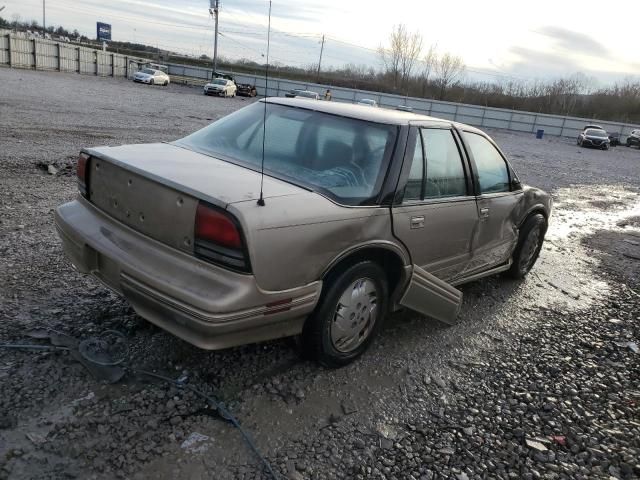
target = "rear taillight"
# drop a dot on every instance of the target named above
(218, 238)
(81, 171)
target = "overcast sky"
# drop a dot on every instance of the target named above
(496, 39)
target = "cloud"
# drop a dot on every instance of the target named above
(574, 42)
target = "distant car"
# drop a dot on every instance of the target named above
(222, 87)
(404, 108)
(634, 138)
(302, 93)
(368, 101)
(594, 137)
(151, 77)
(247, 90)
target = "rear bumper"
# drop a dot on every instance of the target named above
(206, 305)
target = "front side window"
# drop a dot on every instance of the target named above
(493, 175)
(444, 173)
(344, 158)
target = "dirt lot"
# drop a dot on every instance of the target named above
(539, 379)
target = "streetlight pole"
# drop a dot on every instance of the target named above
(214, 7)
(320, 60)
(44, 23)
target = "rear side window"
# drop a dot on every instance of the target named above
(493, 175)
(445, 173)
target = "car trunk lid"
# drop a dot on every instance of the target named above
(155, 188)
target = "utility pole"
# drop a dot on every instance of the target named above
(44, 23)
(214, 6)
(320, 60)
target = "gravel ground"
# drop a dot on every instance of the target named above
(539, 378)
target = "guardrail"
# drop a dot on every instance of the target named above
(40, 54)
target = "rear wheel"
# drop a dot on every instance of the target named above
(350, 312)
(529, 245)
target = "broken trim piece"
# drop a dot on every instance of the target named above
(429, 295)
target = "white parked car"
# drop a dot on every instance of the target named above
(151, 77)
(368, 102)
(221, 87)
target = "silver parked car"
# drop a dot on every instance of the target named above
(222, 87)
(151, 77)
(364, 211)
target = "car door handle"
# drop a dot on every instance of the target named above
(484, 213)
(417, 222)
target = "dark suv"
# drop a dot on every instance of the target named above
(594, 137)
(634, 138)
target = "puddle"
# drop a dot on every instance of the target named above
(565, 272)
(599, 208)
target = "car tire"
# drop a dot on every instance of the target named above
(151, 82)
(360, 293)
(529, 245)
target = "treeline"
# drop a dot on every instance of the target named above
(19, 25)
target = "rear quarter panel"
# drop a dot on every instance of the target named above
(293, 240)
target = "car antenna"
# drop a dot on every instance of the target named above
(264, 118)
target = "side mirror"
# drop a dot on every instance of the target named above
(516, 184)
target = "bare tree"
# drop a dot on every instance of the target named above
(401, 55)
(429, 61)
(448, 70)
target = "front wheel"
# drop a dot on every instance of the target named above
(151, 82)
(529, 245)
(349, 313)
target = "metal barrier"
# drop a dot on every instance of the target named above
(476, 115)
(39, 54)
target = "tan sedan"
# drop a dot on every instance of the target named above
(363, 211)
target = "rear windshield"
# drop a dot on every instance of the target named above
(344, 158)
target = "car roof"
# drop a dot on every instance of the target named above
(362, 112)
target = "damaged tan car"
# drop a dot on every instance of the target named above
(361, 211)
